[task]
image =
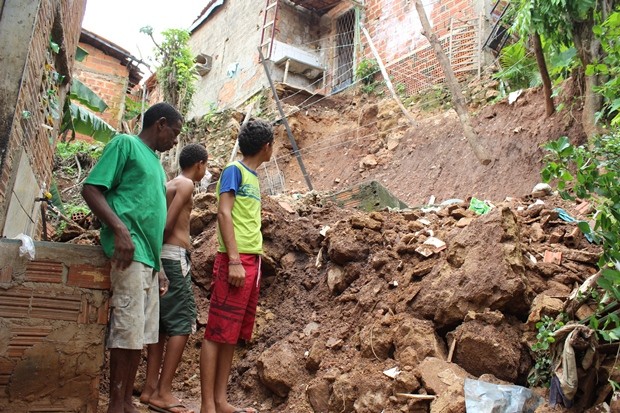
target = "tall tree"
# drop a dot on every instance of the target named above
(176, 71)
(568, 23)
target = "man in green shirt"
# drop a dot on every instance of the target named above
(126, 191)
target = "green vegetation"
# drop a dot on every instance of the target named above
(81, 119)
(176, 72)
(540, 375)
(609, 68)
(68, 150)
(593, 172)
(365, 73)
(519, 70)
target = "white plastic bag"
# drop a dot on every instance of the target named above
(205, 181)
(27, 247)
(483, 397)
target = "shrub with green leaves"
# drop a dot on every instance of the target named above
(608, 32)
(519, 69)
(366, 70)
(540, 375)
(593, 172)
(68, 150)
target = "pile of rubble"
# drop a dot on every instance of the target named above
(393, 310)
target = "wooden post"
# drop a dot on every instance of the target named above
(285, 121)
(248, 113)
(388, 82)
(286, 67)
(455, 89)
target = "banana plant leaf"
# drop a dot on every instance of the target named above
(81, 120)
(80, 54)
(83, 94)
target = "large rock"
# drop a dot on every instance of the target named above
(416, 340)
(488, 344)
(482, 268)
(202, 261)
(318, 395)
(544, 305)
(344, 247)
(204, 212)
(361, 391)
(279, 367)
(446, 380)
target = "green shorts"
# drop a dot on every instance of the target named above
(177, 312)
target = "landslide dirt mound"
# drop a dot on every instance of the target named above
(339, 306)
(377, 291)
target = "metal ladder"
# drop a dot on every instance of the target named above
(499, 34)
(269, 27)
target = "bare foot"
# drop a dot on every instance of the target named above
(229, 408)
(146, 394)
(130, 408)
(174, 407)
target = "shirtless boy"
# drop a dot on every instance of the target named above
(177, 307)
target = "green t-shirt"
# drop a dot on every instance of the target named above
(135, 189)
(246, 212)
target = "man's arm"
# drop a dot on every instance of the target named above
(236, 272)
(123, 245)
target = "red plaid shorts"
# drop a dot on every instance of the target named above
(232, 310)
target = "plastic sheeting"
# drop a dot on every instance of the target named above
(483, 397)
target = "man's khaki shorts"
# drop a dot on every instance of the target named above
(134, 307)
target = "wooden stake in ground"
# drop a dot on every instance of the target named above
(285, 121)
(384, 72)
(248, 114)
(455, 89)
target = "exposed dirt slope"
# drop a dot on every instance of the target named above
(349, 139)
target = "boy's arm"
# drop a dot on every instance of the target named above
(182, 196)
(236, 272)
(123, 245)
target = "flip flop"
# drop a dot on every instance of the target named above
(166, 409)
(246, 410)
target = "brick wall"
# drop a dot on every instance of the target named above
(407, 54)
(34, 125)
(108, 78)
(53, 313)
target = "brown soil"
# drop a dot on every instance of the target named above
(337, 310)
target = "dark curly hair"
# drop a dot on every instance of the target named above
(254, 135)
(192, 154)
(161, 110)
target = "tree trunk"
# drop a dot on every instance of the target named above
(589, 50)
(544, 73)
(455, 89)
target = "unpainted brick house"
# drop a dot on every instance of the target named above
(34, 82)
(53, 309)
(111, 72)
(316, 45)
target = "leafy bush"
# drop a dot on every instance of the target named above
(519, 69)
(540, 375)
(593, 172)
(366, 70)
(68, 150)
(608, 33)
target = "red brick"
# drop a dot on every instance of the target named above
(44, 271)
(89, 276)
